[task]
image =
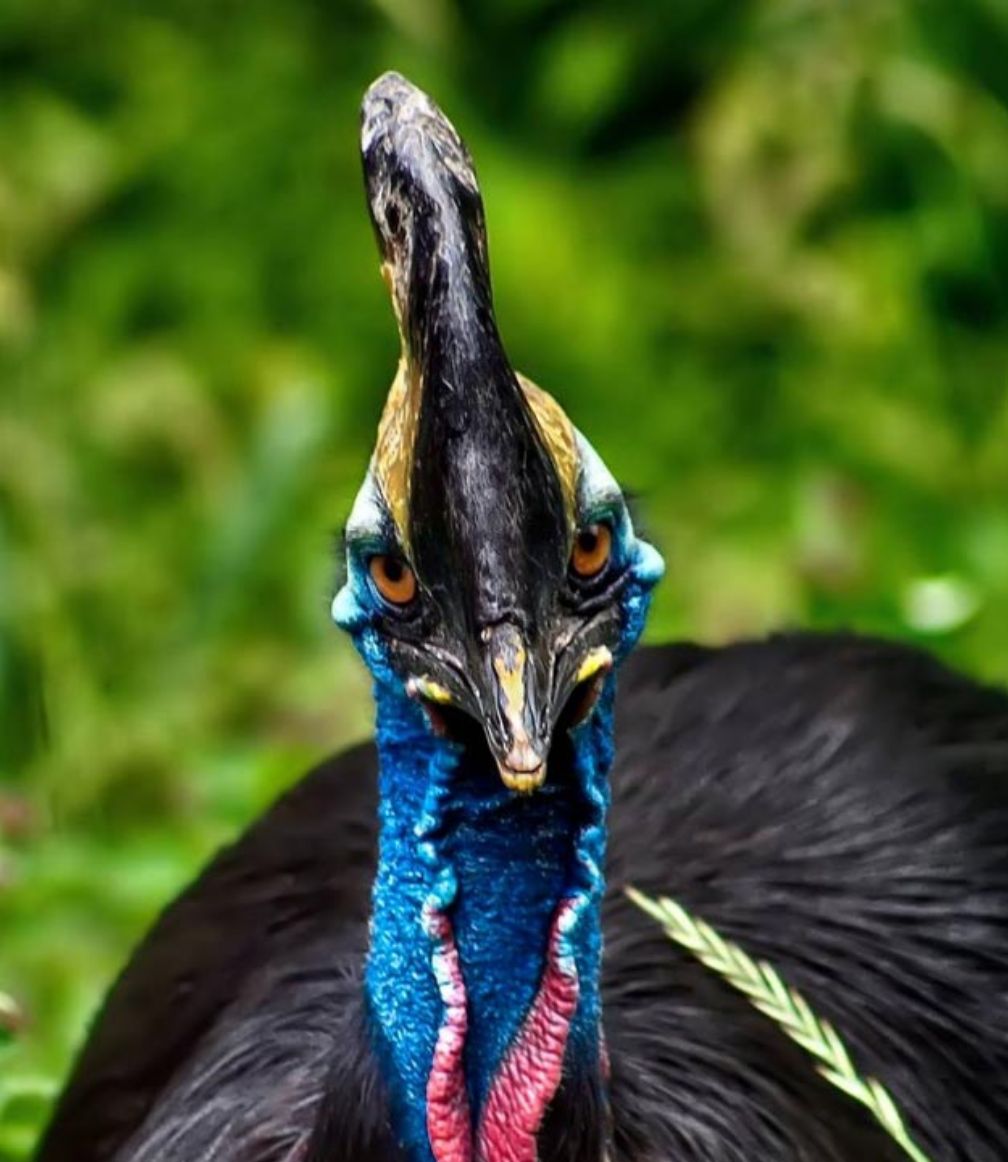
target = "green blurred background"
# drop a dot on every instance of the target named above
(758, 250)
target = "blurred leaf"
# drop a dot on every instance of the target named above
(758, 249)
(939, 604)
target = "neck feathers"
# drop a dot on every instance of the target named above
(483, 972)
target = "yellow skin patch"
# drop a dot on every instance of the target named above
(431, 690)
(596, 661)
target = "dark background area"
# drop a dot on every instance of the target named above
(759, 251)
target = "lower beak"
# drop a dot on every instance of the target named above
(522, 769)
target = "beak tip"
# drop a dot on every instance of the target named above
(522, 776)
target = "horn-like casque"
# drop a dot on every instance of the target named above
(468, 454)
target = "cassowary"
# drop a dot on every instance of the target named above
(425, 950)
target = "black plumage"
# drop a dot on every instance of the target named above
(837, 805)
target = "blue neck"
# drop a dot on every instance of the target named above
(497, 865)
(485, 904)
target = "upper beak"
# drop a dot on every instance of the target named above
(520, 710)
(516, 714)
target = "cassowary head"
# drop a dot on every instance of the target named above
(491, 558)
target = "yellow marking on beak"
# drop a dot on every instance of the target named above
(429, 689)
(557, 434)
(522, 769)
(388, 278)
(596, 661)
(509, 666)
(392, 459)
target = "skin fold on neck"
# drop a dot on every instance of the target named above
(482, 978)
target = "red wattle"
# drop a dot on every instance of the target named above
(529, 1075)
(448, 1123)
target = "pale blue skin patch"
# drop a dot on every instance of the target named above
(355, 604)
(600, 498)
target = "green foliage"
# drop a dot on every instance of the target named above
(759, 249)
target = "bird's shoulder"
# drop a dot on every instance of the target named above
(838, 806)
(243, 1006)
(806, 723)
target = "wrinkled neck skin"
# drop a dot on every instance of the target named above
(482, 978)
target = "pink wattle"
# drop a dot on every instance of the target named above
(529, 1075)
(448, 1122)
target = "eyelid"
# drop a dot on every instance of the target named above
(595, 592)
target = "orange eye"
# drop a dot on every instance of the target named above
(592, 546)
(393, 579)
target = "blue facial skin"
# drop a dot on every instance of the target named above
(498, 864)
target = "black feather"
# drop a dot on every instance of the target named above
(836, 805)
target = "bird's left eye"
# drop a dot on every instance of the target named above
(592, 549)
(393, 578)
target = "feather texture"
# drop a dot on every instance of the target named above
(836, 806)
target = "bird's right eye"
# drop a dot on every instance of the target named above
(393, 578)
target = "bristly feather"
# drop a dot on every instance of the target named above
(761, 984)
(837, 806)
(339, 549)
